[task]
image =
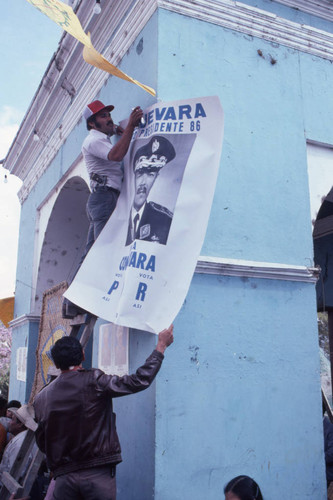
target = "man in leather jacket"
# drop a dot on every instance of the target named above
(76, 424)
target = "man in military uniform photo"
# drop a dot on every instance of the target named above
(149, 221)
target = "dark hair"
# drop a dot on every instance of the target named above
(67, 352)
(92, 119)
(14, 404)
(244, 487)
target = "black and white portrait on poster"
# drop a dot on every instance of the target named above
(148, 250)
(158, 168)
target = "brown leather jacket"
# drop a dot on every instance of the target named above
(77, 427)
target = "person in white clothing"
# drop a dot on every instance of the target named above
(22, 420)
(103, 162)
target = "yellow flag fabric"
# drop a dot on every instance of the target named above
(64, 16)
(91, 56)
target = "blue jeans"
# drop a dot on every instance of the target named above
(100, 206)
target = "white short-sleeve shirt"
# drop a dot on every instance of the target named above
(95, 150)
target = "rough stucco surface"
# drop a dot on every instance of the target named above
(261, 207)
(238, 392)
(246, 360)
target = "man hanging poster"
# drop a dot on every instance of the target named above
(139, 270)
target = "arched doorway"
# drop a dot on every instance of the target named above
(64, 238)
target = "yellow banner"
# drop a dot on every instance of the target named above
(91, 56)
(64, 16)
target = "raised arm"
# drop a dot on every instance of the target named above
(165, 338)
(119, 150)
(129, 384)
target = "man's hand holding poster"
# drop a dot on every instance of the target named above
(139, 270)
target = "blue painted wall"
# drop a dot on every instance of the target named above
(17, 388)
(236, 381)
(261, 207)
(239, 391)
(24, 335)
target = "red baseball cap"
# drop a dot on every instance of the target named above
(94, 107)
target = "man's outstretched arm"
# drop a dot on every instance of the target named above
(143, 377)
(119, 150)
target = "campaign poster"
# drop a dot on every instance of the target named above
(138, 271)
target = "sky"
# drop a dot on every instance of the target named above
(28, 39)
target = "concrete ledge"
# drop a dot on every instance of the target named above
(22, 320)
(253, 269)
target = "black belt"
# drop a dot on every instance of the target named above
(101, 183)
(106, 188)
